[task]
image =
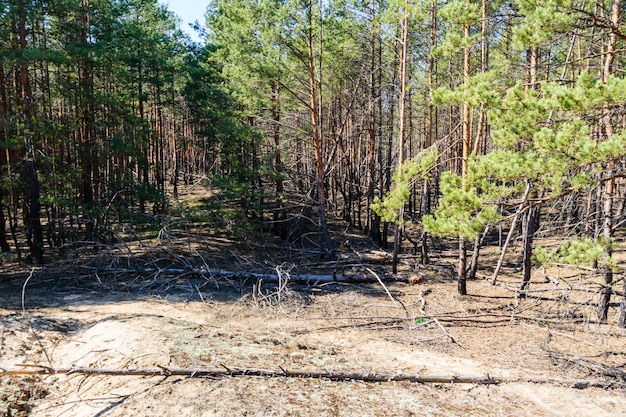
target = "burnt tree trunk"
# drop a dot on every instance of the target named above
(529, 228)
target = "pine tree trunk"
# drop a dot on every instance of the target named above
(279, 214)
(34, 232)
(430, 128)
(462, 267)
(530, 227)
(425, 211)
(4, 110)
(607, 209)
(607, 234)
(372, 219)
(496, 271)
(462, 271)
(87, 121)
(4, 244)
(326, 242)
(397, 233)
(390, 130)
(622, 314)
(478, 242)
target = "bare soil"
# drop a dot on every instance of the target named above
(552, 356)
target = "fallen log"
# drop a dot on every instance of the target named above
(225, 371)
(358, 278)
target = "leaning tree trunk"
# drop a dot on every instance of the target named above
(478, 243)
(519, 211)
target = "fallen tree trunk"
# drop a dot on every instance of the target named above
(251, 372)
(363, 277)
(284, 373)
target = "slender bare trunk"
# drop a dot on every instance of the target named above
(462, 271)
(397, 234)
(430, 127)
(609, 188)
(494, 277)
(530, 227)
(325, 240)
(34, 233)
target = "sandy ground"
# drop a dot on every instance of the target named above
(550, 336)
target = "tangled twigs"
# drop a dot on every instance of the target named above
(590, 366)
(437, 322)
(281, 292)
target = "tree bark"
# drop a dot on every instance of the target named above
(431, 127)
(461, 270)
(87, 125)
(622, 314)
(462, 267)
(325, 240)
(373, 221)
(530, 227)
(609, 188)
(478, 242)
(397, 233)
(607, 235)
(34, 233)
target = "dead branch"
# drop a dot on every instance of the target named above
(385, 323)
(486, 319)
(225, 371)
(578, 384)
(393, 299)
(501, 318)
(518, 212)
(437, 322)
(593, 367)
(361, 278)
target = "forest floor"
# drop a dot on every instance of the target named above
(548, 351)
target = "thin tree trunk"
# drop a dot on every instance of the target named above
(607, 234)
(622, 314)
(430, 127)
(530, 227)
(326, 242)
(4, 244)
(478, 242)
(461, 271)
(4, 110)
(609, 189)
(390, 130)
(397, 233)
(34, 233)
(373, 220)
(280, 213)
(87, 116)
(510, 235)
